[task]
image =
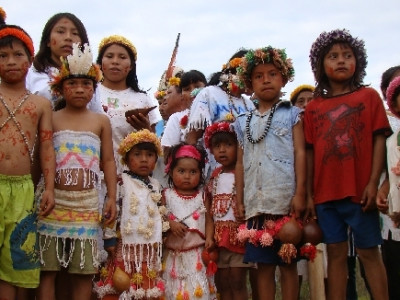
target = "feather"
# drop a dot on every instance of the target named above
(170, 68)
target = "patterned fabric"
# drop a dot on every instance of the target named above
(76, 217)
(185, 273)
(76, 151)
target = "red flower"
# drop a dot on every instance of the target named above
(184, 121)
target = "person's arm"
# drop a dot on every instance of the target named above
(193, 136)
(298, 201)
(109, 169)
(381, 196)
(368, 200)
(239, 182)
(310, 182)
(47, 157)
(209, 221)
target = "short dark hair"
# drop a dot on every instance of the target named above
(192, 76)
(387, 77)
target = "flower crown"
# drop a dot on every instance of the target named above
(79, 64)
(215, 128)
(118, 39)
(265, 55)
(134, 138)
(327, 39)
(174, 81)
(159, 95)
(392, 90)
(232, 64)
(299, 89)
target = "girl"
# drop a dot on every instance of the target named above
(271, 167)
(135, 263)
(222, 227)
(68, 235)
(221, 100)
(59, 33)
(185, 273)
(120, 91)
(176, 128)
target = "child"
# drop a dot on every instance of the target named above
(59, 33)
(345, 129)
(176, 127)
(302, 95)
(134, 266)
(185, 273)
(24, 117)
(222, 225)
(390, 209)
(271, 166)
(68, 236)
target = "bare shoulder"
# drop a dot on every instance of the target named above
(43, 102)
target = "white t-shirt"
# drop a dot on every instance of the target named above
(173, 132)
(115, 103)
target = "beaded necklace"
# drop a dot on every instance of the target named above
(222, 202)
(144, 180)
(12, 116)
(232, 105)
(267, 126)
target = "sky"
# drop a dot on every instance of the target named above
(211, 31)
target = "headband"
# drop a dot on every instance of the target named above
(134, 138)
(390, 92)
(20, 34)
(214, 128)
(299, 89)
(265, 55)
(79, 64)
(118, 39)
(189, 151)
(327, 39)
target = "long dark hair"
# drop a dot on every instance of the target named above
(43, 57)
(131, 79)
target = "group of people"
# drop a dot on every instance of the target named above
(217, 198)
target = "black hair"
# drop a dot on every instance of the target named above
(171, 157)
(8, 41)
(356, 81)
(215, 77)
(43, 58)
(387, 77)
(192, 76)
(223, 137)
(143, 146)
(131, 79)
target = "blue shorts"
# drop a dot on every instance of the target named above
(334, 218)
(259, 254)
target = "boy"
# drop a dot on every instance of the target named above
(68, 235)
(345, 129)
(23, 117)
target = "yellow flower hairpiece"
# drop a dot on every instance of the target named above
(118, 39)
(299, 89)
(159, 95)
(174, 81)
(134, 138)
(232, 64)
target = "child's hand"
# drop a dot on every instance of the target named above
(111, 251)
(178, 228)
(240, 212)
(47, 203)
(210, 244)
(298, 205)
(310, 209)
(368, 199)
(109, 211)
(381, 197)
(139, 122)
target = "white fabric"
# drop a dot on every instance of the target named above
(117, 103)
(173, 133)
(225, 183)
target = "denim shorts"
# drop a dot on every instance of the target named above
(334, 218)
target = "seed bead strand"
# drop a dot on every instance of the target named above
(266, 129)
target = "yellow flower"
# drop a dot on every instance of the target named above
(198, 292)
(137, 278)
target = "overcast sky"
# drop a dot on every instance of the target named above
(211, 31)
